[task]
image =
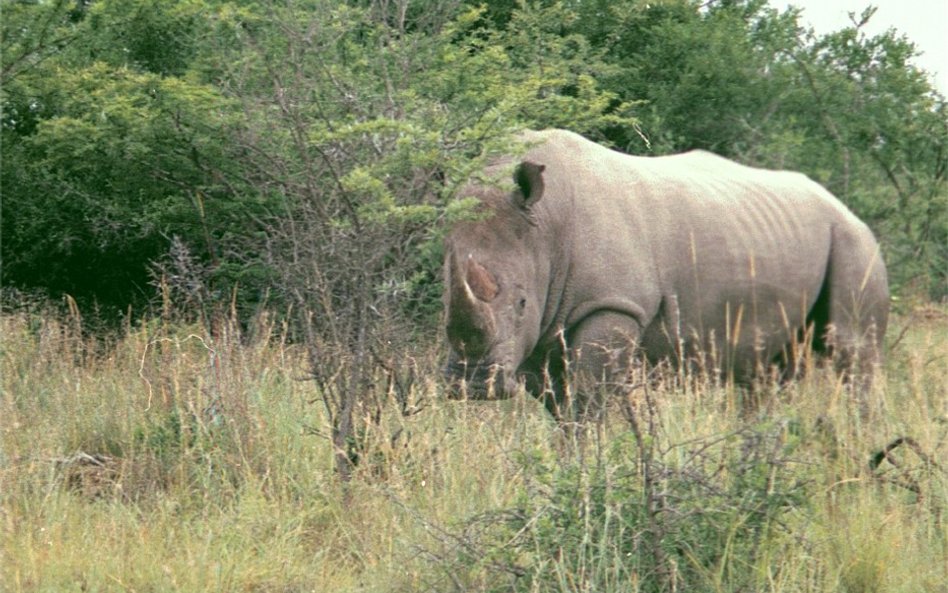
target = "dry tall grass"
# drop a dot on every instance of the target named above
(174, 461)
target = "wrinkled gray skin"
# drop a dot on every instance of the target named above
(590, 253)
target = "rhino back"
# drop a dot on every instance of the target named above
(700, 245)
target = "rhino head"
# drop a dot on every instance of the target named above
(495, 287)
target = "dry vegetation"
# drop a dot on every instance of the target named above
(177, 461)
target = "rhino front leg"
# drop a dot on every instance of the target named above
(600, 350)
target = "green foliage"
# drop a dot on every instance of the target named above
(122, 162)
(249, 134)
(148, 35)
(700, 73)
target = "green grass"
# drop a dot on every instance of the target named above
(207, 471)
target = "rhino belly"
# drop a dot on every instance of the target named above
(734, 328)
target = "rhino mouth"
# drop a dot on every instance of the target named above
(477, 381)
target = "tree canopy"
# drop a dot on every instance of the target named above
(303, 153)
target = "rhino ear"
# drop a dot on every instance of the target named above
(529, 179)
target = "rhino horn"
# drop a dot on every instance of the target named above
(471, 287)
(461, 293)
(480, 282)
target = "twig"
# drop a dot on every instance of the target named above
(884, 454)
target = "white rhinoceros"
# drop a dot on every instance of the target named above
(693, 258)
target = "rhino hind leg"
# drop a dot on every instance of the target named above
(851, 313)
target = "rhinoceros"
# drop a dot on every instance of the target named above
(590, 255)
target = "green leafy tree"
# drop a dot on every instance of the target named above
(107, 156)
(240, 132)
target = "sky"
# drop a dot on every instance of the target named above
(924, 22)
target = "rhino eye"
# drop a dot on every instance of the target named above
(522, 303)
